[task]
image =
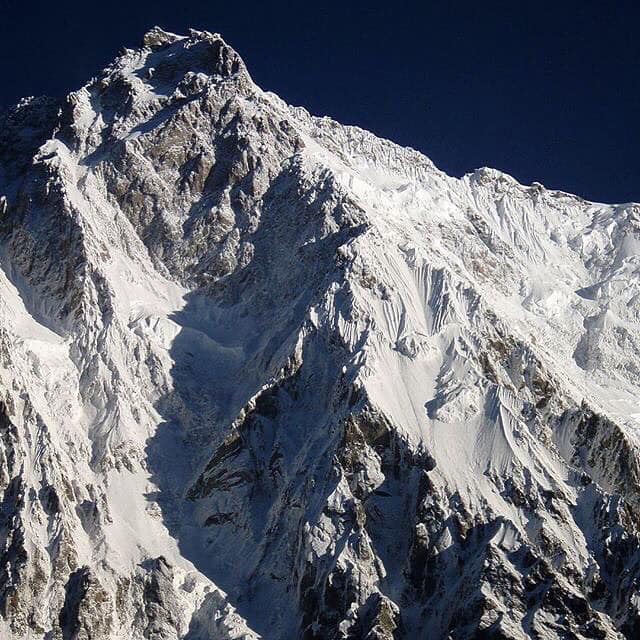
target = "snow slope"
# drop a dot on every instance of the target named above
(265, 375)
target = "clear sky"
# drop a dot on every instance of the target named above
(546, 91)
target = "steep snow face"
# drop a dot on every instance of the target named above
(265, 375)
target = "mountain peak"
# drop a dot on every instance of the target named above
(250, 356)
(205, 51)
(157, 38)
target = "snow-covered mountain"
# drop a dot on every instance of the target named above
(265, 375)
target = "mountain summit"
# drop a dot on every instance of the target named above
(265, 375)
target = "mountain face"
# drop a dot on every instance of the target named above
(265, 375)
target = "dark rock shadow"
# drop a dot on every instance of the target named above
(236, 335)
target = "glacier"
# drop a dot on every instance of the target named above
(263, 375)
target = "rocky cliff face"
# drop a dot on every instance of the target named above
(264, 375)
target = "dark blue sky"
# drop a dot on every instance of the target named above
(546, 91)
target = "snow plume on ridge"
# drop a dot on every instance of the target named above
(265, 375)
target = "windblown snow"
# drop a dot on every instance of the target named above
(265, 375)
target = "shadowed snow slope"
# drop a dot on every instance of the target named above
(265, 375)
